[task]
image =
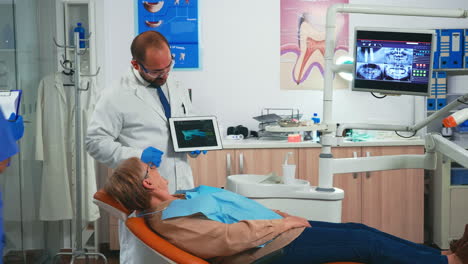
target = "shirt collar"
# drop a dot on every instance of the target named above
(139, 78)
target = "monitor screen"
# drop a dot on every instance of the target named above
(393, 61)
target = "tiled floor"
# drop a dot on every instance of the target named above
(39, 257)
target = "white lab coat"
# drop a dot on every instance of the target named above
(128, 119)
(55, 146)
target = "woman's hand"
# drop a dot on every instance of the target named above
(283, 214)
(295, 222)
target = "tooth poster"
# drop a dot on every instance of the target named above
(177, 20)
(303, 43)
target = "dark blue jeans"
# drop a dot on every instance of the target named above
(329, 242)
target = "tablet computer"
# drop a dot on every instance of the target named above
(195, 133)
(10, 102)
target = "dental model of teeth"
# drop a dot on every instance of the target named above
(153, 7)
(153, 24)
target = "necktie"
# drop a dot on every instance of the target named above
(164, 102)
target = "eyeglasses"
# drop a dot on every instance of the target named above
(150, 166)
(158, 73)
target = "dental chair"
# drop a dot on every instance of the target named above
(160, 248)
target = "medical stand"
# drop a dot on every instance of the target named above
(78, 251)
(331, 136)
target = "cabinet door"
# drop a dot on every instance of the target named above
(213, 168)
(263, 161)
(351, 184)
(308, 164)
(393, 201)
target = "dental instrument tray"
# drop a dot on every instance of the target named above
(267, 118)
(276, 117)
(292, 122)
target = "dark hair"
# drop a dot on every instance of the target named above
(125, 185)
(145, 41)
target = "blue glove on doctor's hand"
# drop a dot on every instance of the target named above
(152, 155)
(16, 125)
(195, 153)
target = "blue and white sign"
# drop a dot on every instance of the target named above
(177, 20)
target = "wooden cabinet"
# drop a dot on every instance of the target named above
(263, 161)
(351, 183)
(213, 168)
(391, 201)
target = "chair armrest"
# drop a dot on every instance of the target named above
(139, 228)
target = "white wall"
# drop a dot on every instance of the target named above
(239, 72)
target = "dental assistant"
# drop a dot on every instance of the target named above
(10, 131)
(131, 117)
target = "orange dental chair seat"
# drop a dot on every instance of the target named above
(147, 236)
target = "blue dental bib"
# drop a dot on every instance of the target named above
(218, 205)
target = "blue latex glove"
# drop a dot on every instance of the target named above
(16, 125)
(152, 155)
(195, 153)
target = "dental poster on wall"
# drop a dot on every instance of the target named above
(303, 43)
(177, 20)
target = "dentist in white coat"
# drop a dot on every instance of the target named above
(131, 120)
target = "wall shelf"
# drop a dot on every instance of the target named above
(461, 71)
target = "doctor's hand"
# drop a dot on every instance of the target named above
(195, 153)
(16, 125)
(152, 155)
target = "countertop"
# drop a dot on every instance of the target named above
(253, 143)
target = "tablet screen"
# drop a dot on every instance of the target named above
(195, 133)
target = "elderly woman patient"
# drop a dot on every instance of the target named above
(224, 227)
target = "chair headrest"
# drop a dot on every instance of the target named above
(110, 205)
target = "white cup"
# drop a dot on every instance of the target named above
(289, 174)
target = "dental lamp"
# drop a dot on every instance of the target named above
(332, 132)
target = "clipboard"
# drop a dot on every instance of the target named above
(10, 102)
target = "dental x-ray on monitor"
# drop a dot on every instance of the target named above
(393, 61)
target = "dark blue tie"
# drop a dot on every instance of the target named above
(164, 102)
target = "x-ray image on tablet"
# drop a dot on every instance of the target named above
(195, 133)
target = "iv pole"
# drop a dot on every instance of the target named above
(78, 251)
(327, 164)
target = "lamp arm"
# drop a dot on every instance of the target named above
(435, 142)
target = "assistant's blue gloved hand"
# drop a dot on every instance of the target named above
(195, 153)
(16, 125)
(152, 155)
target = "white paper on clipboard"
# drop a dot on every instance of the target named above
(9, 102)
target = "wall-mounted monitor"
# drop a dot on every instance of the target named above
(393, 61)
